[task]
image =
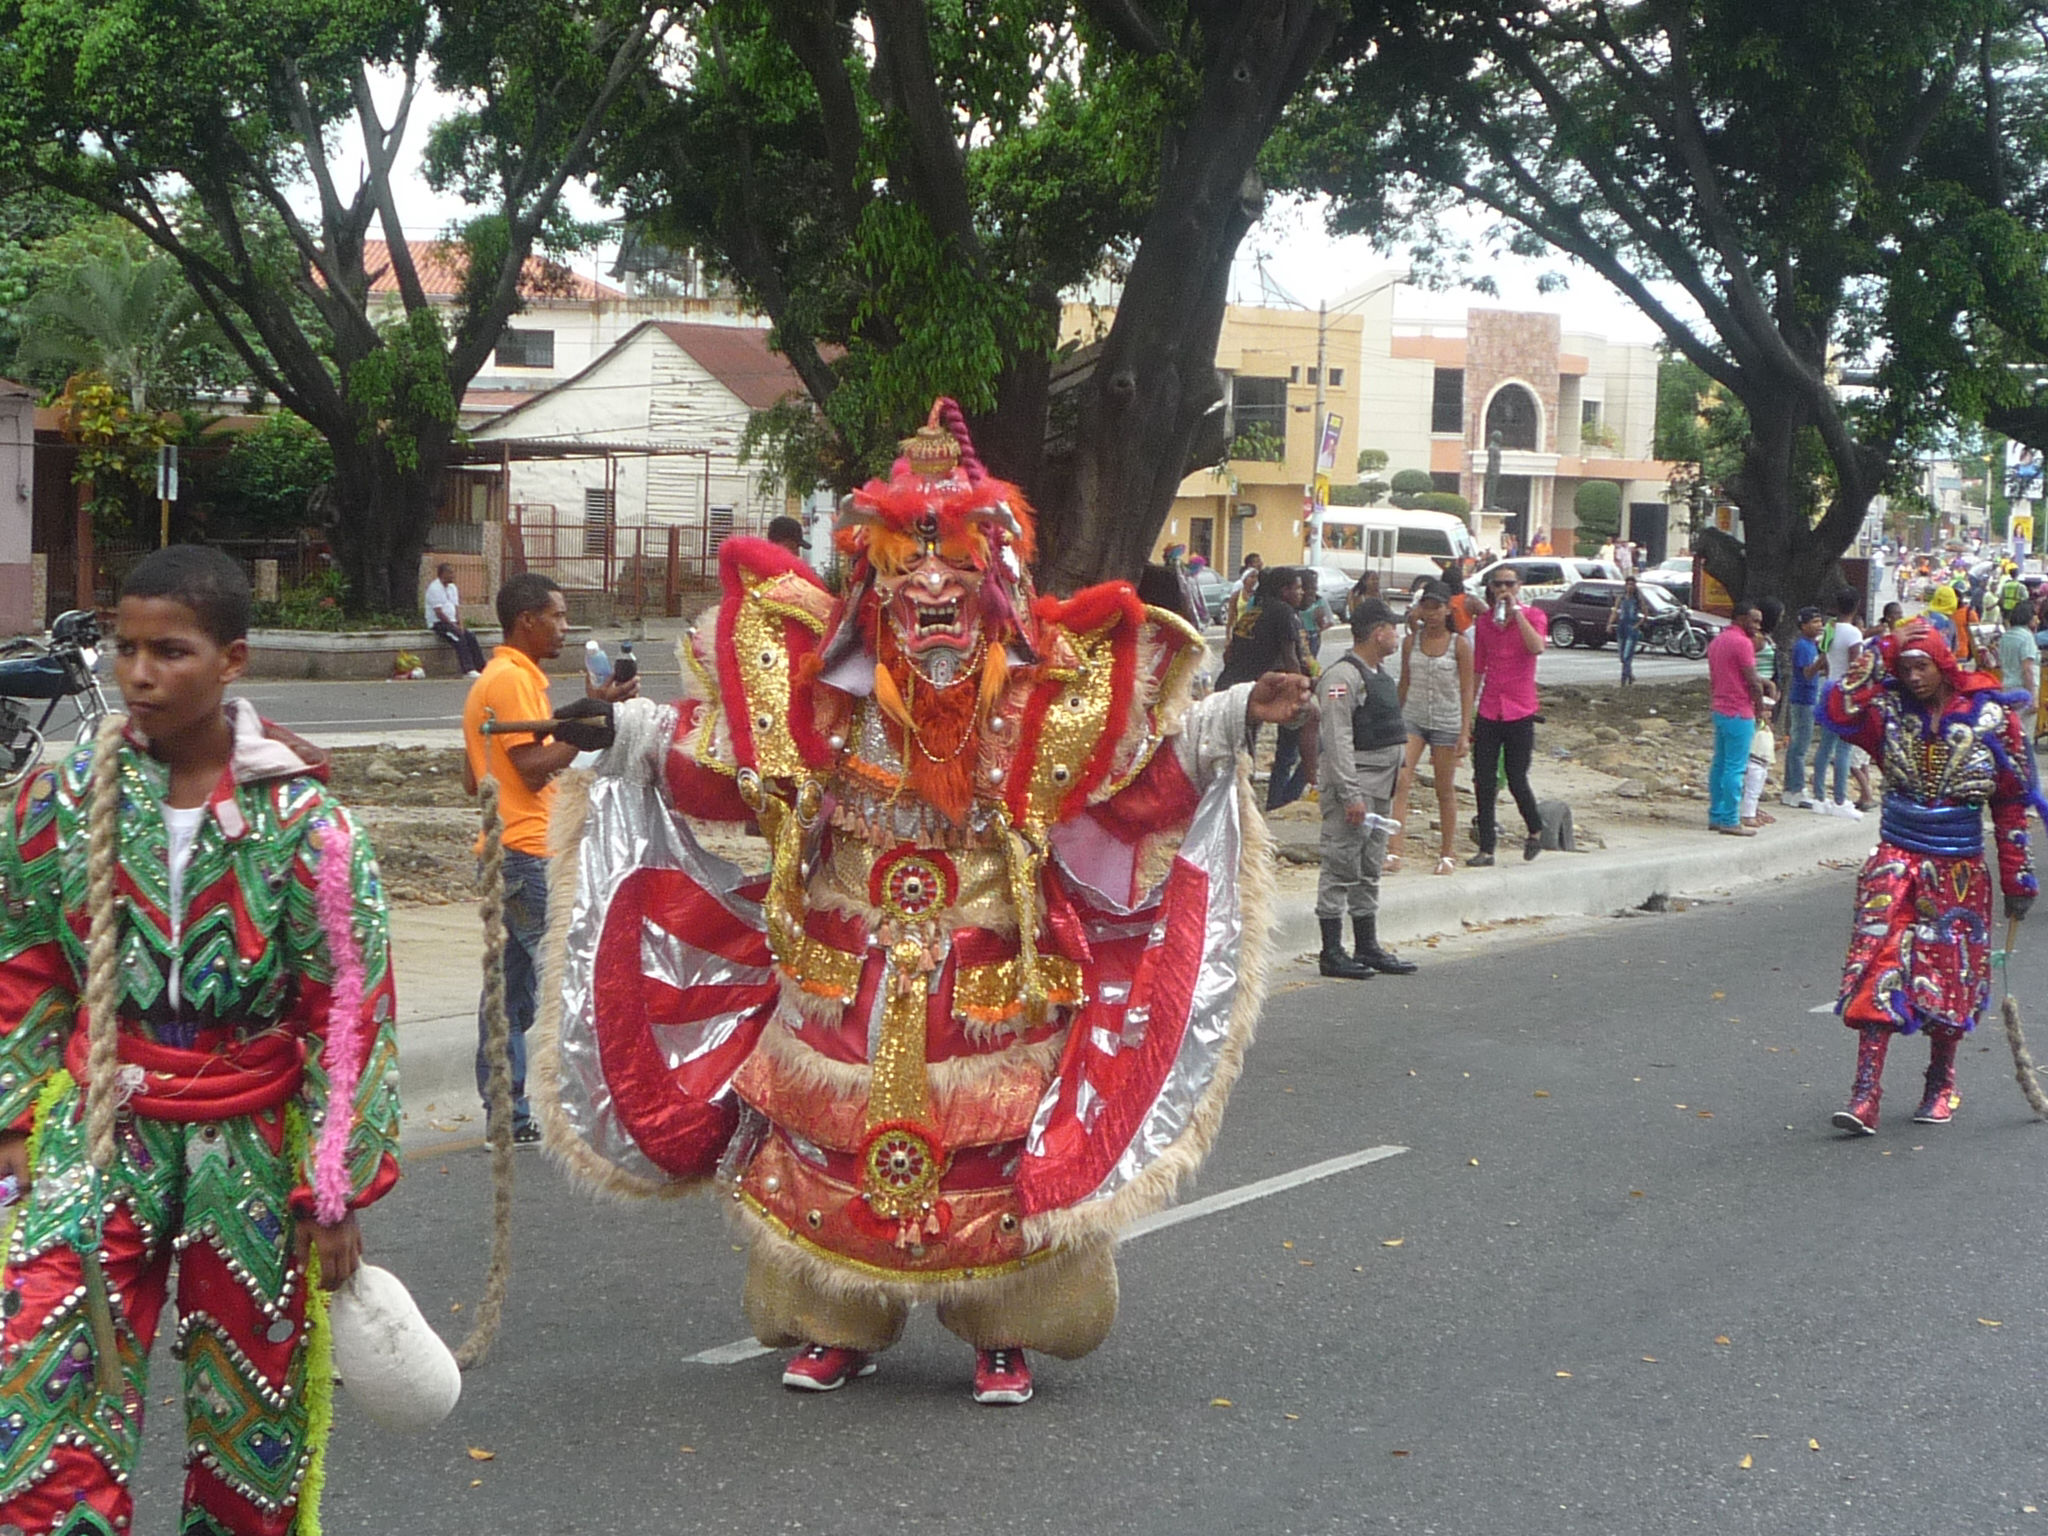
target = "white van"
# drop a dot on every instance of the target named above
(1404, 549)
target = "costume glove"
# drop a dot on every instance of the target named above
(586, 725)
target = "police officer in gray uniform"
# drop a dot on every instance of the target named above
(1363, 737)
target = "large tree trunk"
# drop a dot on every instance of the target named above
(383, 516)
(1153, 408)
(1785, 554)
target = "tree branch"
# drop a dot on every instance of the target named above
(937, 169)
(820, 43)
(479, 331)
(1128, 22)
(378, 150)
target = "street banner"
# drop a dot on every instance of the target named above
(1326, 453)
(2022, 472)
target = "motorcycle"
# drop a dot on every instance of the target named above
(1679, 636)
(64, 669)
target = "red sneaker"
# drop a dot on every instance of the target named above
(1001, 1376)
(825, 1368)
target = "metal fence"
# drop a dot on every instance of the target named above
(641, 568)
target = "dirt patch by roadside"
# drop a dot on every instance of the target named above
(1618, 756)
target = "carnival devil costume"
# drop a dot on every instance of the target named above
(986, 1005)
(244, 1012)
(1919, 954)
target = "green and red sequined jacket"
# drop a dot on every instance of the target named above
(248, 949)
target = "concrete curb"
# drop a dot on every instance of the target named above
(1591, 884)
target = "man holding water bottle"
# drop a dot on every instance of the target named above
(1364, 736)
(535, 617)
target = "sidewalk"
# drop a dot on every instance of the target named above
(437, 952)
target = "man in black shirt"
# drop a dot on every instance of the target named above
(1276, 644)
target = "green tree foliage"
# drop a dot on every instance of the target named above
(1782, 167)
(1408, 485)
(907, 189)
(210, 126)
(1596, 506)
(1441, 501)
(121, 310)
(272, 475)
(1371, 461)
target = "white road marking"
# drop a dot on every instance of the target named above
(741, 1350)
(1822, 1008)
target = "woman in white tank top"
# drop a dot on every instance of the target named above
(1437, 697)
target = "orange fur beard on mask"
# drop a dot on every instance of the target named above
(938, 723)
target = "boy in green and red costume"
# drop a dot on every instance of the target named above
(255, 1083)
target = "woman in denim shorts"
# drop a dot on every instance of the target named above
(1436, 696)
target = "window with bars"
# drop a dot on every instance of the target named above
(525, 349)
(718, 527)
(599, 512)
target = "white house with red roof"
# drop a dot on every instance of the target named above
(569, 320)
(644, 438)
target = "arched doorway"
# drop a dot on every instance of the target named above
(1514, 414)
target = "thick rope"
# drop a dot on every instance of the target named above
(498, 1087)
(102, 1058)
(103, 944)
(2023, 1067)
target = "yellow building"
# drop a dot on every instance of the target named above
(1255, 502)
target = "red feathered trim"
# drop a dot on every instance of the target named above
(906, 497)
(739, 561)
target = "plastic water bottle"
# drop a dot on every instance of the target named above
(627, 666)
(596, 663)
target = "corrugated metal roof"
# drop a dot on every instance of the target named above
(739, 357)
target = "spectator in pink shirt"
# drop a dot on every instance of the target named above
(1737, 695)
(1506, 640)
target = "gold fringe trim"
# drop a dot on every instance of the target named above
(825, 1271)
(1162, 1183)
(807, 1067)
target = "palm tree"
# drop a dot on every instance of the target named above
(132, 318)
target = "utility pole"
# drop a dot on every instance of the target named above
(1315, 462)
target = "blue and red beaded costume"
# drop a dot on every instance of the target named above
(1919, 958)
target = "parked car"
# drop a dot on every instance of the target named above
(1580, 616)
(1214, 590)
(1673, 575)
(1545, 575)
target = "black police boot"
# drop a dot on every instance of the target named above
(1333, 961)
(1369, 954)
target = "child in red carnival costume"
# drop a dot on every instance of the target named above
(1950, 745)
(987, 1004)
(197, 1059)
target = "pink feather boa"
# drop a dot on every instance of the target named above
(334, 896)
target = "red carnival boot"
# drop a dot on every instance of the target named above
(1861, 1115)
(825, 1368)
(1001, 1376)
(1939, 1106)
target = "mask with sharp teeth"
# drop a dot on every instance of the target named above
(934, 608)
(941, 553)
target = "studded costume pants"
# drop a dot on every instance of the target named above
(214, 1194)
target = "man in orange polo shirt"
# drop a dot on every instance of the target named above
(535, 618)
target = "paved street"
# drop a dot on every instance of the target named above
(353, 708)
(1622, 1252)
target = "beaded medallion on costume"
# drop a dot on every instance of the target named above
(1951, 765)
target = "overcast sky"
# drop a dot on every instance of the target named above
(1300, 257)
